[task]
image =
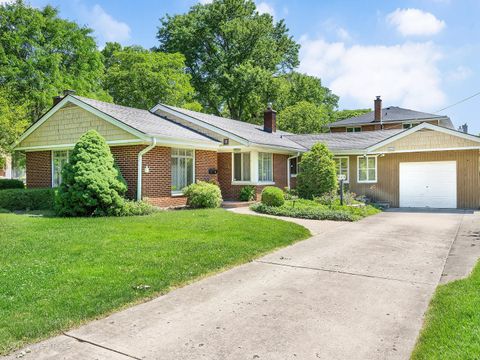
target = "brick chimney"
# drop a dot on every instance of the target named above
(378, 109)
(57, 99)
(270, 119)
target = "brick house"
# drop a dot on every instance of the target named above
(160, 151)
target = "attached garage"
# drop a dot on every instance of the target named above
(428, 184)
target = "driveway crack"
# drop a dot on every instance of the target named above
(344, 272)
(101, 346)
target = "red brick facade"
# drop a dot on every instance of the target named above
(39, 169)
(156, 184)
(232, 192)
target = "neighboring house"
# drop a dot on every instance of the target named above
(392, 117)
(6, 168)
(167, 148)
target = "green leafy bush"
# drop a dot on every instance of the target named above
(137, 208)
(90, 182)
(203, 195)
(272, 196)
(248, 193)
(333, 198)
(318, 172)
(27, 199)
(11, 184)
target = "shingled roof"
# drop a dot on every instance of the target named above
(253, 133)
(394, 114)
(145, 121)
(344, 141)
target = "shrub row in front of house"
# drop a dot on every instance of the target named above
(27, 199)
(11, 184)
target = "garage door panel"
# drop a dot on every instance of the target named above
(428, 184)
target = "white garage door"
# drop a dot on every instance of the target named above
(428, 184)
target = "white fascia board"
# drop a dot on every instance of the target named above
(426, 150)
(71, 146)
(274, 149)
(420, 127)
(200, 123)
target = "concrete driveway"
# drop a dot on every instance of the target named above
(352, 291)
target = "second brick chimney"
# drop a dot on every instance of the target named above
(270, 119)
(378, 109)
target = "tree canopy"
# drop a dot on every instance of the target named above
(345, 114)
(304, 118)
(42, 54)
(232, 53)
(140, 78)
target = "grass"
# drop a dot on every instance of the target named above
(309, 209)
(56, 273)
(452, 324)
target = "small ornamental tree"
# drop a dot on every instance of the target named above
(91, 185)
(317, 172)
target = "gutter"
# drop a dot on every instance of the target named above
(140, 167)
(288, 168)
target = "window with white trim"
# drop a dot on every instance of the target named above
(354, 129)
(265, 167)
(59, 159)
(241, 167)
(182, 169)
(367, 169)
(342, 167)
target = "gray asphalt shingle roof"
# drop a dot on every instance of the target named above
(345, 141)
(390, 114)
(250, 132)
(144, 121)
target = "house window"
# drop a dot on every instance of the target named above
(354, 129)
(367, 169)
(265, 167)
(294, 166)
(241, 167)
(182, 169)
(59, 159)
(342, 167)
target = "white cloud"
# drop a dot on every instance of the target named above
(205, 1)
(459, 73)
(4, 2)
(415, 22)
(405, 75)
(108, 28)
(343, 34)
(265, 8)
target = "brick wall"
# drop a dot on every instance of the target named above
(39, 169)
(126, 159)
(232, 192)
(205, 160)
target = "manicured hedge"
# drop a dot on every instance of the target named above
(27, 199)
(11, 184)
(203, 195)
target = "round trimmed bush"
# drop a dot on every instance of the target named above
(272, 196)
(248, 193)
(203, 195)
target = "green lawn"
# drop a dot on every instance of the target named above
(56, 273)
(452, 324)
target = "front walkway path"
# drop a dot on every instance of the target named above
(352, 291)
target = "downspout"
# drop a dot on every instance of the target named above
(140, 167)
(288, 168)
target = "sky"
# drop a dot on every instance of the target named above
(418, 54)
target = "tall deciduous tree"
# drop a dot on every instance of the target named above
(345, 114)
(42, 54)
(304, 118)
(13, 121)
(232, 52)
(140, 78)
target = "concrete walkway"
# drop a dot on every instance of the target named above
(352, 291)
